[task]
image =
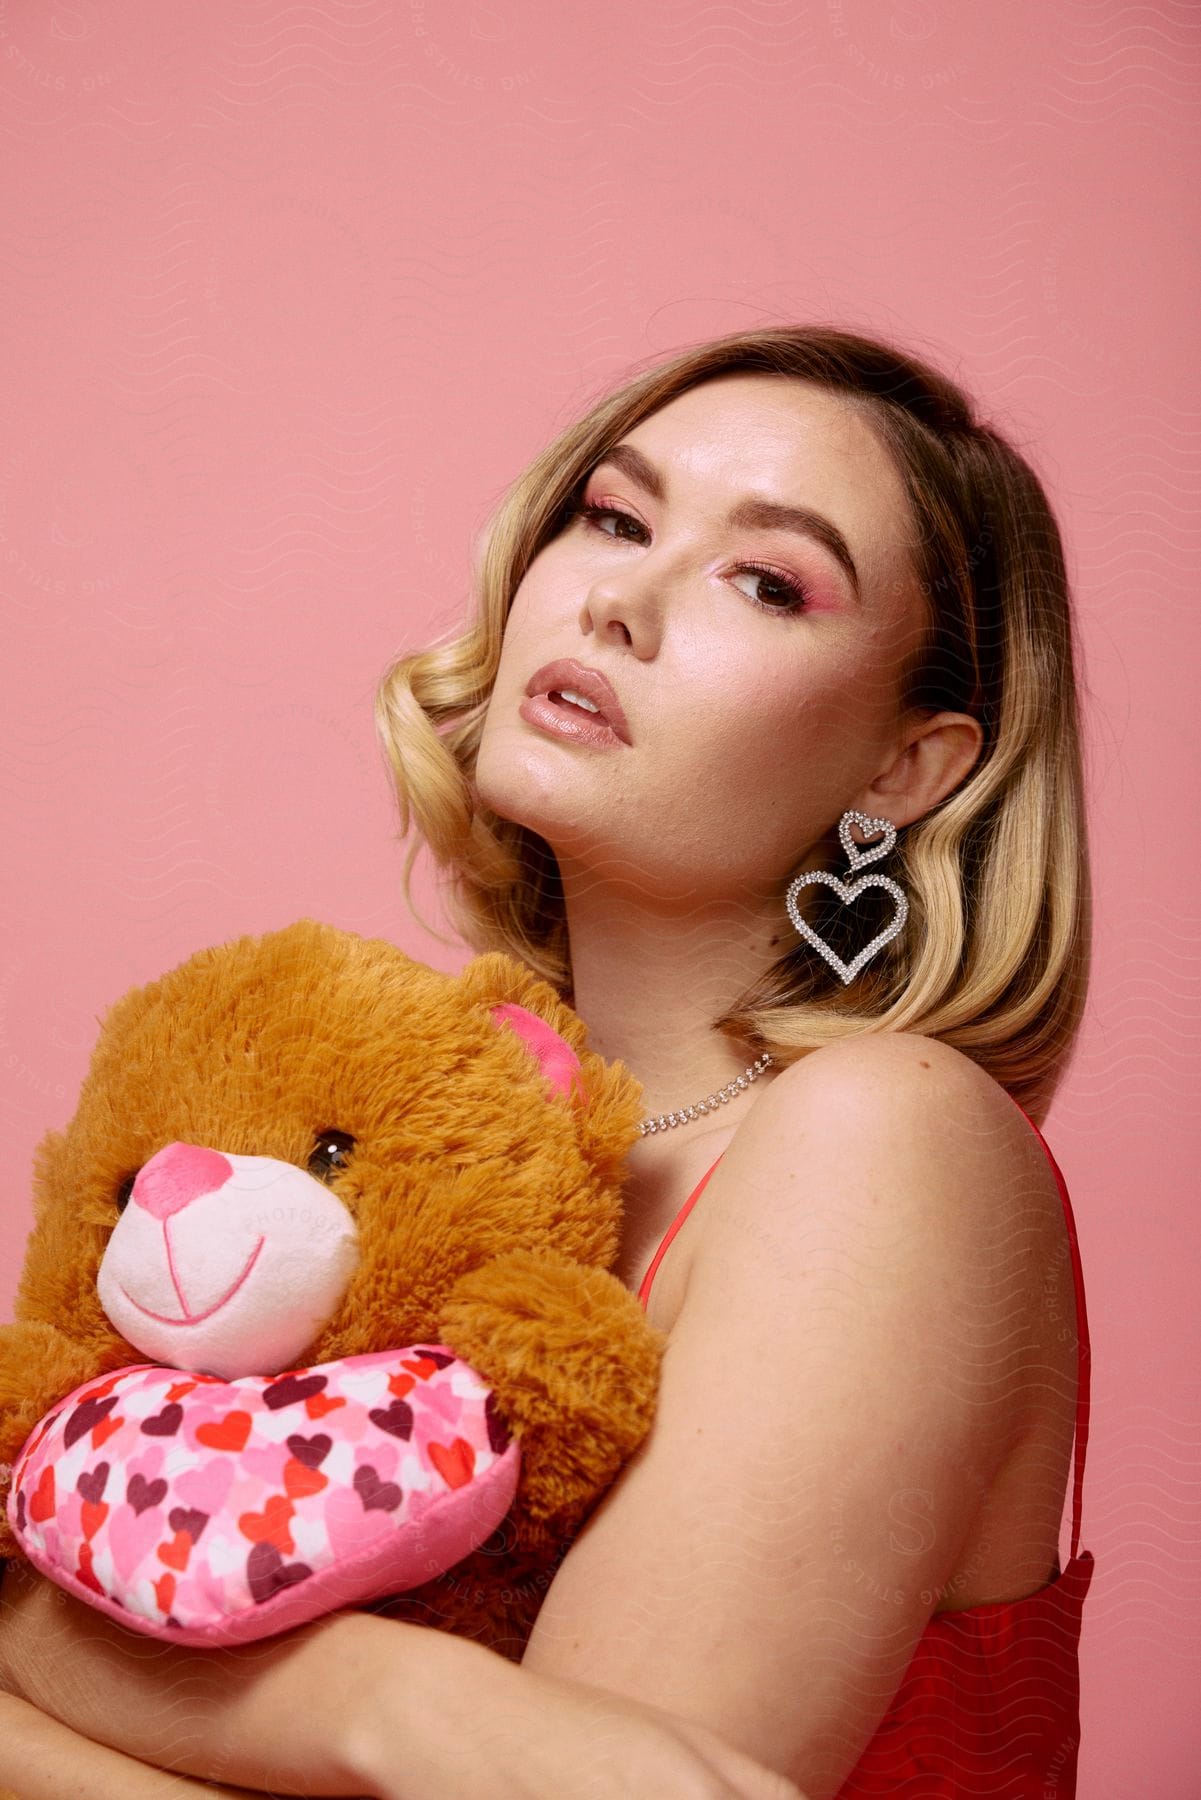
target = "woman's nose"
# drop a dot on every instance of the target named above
(630, 604)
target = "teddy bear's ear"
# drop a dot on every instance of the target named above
(553, 1054)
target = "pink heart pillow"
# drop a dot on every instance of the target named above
(216, 1512)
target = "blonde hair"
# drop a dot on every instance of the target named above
(994, 957)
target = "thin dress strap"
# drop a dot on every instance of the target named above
(1084, 1359)
(694, 1196)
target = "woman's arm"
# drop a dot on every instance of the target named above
(284, 1714)
(43, 1760)
(853, 1361)
(416, 1714)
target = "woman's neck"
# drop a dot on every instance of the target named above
(648, 983)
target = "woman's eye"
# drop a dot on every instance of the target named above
(331, 1151)
(791, 594)
(593, 515)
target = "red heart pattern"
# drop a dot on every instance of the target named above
(454, 1462)
(229, 1433)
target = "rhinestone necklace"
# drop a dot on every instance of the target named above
(665, 1120)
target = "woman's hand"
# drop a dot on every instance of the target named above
(540, 1738)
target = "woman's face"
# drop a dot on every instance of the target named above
(756, 715)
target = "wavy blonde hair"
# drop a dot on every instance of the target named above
(994, 958)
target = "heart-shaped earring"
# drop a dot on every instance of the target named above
(858, 855)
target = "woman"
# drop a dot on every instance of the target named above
(825, 617)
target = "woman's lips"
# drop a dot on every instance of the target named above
(564, 675)
(561, 719)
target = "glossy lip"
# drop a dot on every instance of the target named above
(565, 672)
(569, 722)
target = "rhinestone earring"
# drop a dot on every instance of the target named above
(858, 855)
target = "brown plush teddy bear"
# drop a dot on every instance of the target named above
(358, 1218)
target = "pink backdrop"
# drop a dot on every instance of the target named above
(291, 293)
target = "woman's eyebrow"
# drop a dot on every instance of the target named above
(749, 512)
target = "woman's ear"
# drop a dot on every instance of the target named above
(938, 754)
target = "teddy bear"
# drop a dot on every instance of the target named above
(358, 1218)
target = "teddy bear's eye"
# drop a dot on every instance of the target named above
(332, 1151)
(124, 1191)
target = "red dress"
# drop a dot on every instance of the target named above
(989, 1707)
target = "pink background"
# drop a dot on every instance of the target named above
(291, 293)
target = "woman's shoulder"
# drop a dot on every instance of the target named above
(901, 1084)
(886, 1131)
(880, 1051)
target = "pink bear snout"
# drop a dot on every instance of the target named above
(176, 1175)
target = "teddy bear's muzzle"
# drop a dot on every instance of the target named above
(226, 1265)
